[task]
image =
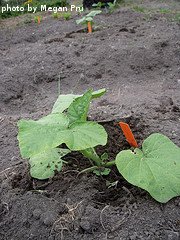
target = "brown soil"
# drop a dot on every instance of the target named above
(136, 57)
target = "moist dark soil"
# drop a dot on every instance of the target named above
(136, 57)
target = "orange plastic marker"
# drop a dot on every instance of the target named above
(89, 27)
(39, 20)
(128, 134)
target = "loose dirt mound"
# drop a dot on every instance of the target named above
(136, 57)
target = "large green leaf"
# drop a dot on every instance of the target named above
(79, 108)
(98, 93)
(64, 101)
(81, 20)
(39, 136)
(88, 17)
(45, 164)
(93, 13)
(155, 168)
(42, 135)
(83, 135)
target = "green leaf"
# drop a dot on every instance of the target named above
(64, 101)
(101, 172)
(93, 13)
(78, 109)
(98, 93)
(82, 20)
(104, 156)
(155, 168)
(85, 135)
(98, 5)
(45, 164)
(42, 135)
(89, 19)
(39, 136)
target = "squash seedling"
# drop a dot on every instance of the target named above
(88, 20)
(155, 167)
(55, 15)
(111, 6)
(37, 19)
(66, 16)
(40, 140)
(98, 5)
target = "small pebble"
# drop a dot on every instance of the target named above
(48, 218)
(37, 213)
(86, 225)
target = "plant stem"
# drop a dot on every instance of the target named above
(109, 164)
(90, 169)
(90, 153)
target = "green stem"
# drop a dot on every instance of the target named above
(90, 169)
(90, 153)
(109, 164)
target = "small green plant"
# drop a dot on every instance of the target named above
(111, 6)
(55, 15)
(98, 5)
(155, 167)
(88, 19)
(40, 140)
(176, 17)
(38, 19)
(66, 15)
(139, 9)
(164, 11)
